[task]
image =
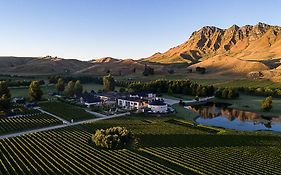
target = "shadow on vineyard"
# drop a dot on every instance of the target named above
(199, 140)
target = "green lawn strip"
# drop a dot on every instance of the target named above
(66, 111)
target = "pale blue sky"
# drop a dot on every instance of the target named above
(87, 29)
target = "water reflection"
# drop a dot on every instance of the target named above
(221, 116)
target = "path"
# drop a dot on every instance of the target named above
(53, 115)
(102, 115)
(58, 126)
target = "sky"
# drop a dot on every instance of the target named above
(90, 29)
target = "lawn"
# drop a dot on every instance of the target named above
(252, 103)
(66, 111)
(183, 113)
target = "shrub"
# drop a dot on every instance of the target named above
(266, 104)
(113, 138)
(148, 71)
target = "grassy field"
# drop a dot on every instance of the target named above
(238, 83)
(66, 111)
(164, 147)
(23, 91)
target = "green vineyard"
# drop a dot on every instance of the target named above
(18, 124)
(66, 111)
(222, 160)
(164, 147)
(67, 151)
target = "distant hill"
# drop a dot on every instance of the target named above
(236, 49)
(40, 65)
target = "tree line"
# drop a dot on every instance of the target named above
(53, 79)
(70, 89)
(185, 87)
(261, 91)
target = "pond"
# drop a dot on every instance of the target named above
(220, 115)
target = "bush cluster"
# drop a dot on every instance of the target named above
(261, 91)
(226, 93)
(113, 138)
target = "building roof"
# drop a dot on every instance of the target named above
(112, 95)
(157, 103)
(89, 98)
(134, 99)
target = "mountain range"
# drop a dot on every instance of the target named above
(232, 51)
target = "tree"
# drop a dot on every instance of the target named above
(122, 90)
(148, 71)
(266, 104)
(113, 138)
(60, 85)
(134, 70)
(108, 83)
(5, 96)
(200, 70)
(224, 93)
(78, 88)
(70, 89)
(35, 92)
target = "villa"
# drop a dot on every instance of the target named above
(157, 106)
(131, 103)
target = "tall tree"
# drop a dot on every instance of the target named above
(35, 92)
(5, 96)
(60, 85)
(78, 88)
(108, 83)
(70, 89)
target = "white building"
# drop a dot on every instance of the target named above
(131, 103)
(158, 106)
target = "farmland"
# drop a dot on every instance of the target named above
(164, 147)
(67, 151)
(33, 121)
(66, 111)
(221, 160)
